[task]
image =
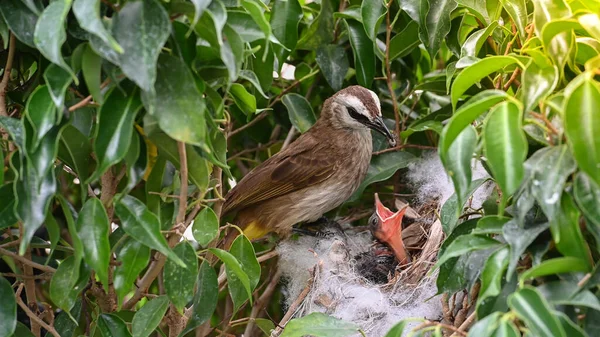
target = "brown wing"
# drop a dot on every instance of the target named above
(306, 163)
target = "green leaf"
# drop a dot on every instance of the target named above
(546, 11)
(91, 66)
(93, 228)
(518, 239)
(370, 12)
(149, 316)
(251, 77)
(591, 23)
(491, 276)
(7, 203)
(364, 56)
(205, 299)
(15, 129)
(397, 330)
(143, 225)
(75, 150)
(490, 224)
(582, 125)
(333, 62)
(555, 266)
(8, 309)
(112, 325)
(64, 286)
(65, 322)
(537, 83)
(69, 213)
(49, 34)
(466, 114)
(382, 167)
(180, 282)
(566, 232)
(571, 328)
(505, 146)
(234, 270)
(41, 112)
(177, 104)
(53, 234)
(531, 307)
(435, 23)
(566, 292)
(517, 9)
(199, 6)
(87, 13)
(243, 99)
(507, 329)
(475, 72)
(258, 16)
(22, 331)
(477, 8)
(243, 251)
(487, 326)
(205, 227)
(404, 42)
(587, 195)
(476, 40)
(115, 126)
(58, 80)
(458, 162)
(142, 45)
(136, 168)
(133, 257)
(285, 17)
(20, 20)
(320, 31)
(319, 324)
(465, 244)
(452, 209)
(300, 112)
(264, 74)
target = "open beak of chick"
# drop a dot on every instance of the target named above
(386, 226)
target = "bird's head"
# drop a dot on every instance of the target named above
(386, 226)
(358, 108)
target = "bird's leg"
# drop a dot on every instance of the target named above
(316, 228)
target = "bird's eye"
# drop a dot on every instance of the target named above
(357, 116)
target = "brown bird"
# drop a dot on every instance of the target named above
(386, 226)
(315, 174)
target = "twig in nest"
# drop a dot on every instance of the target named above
(294, 307)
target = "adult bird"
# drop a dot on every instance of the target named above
(315, 174)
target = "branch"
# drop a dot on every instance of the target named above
(6, 76)
(30, 290)
(32, 315)
(88, 99)
(27, 262)
(466, 324)
(404, 146)
(183, 189)
(262, 301)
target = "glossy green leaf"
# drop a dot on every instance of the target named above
(320, 31)
(333, 62)
(518, 239)
(582, 125)
(243, 251)
(15, 129)
(566, 232)
(199, 6)
(476, 40)
(370, 12)
(492, 274)
(435, 24)
(475, 72)
(20, 20)
(70, 215)
(487, 326)
(505, 146)
(319, 324)
(263, 56)
(382, 167)
(141, 46)
(112, 325)
(458, 162)
(7, 203)
(180, 282)
(490, 224)
(564, 292)
(405, 41)
(587, 196)
(555, 266)
(465, 244)
(65, 322)
(397, 330)
(256, 11)
(115, 126)
(49, 34)
(53, 234)
(591, 23)
(364, 56)
(22, 331)
(149, 316)
(177, 104)
(91, 66)
(64, 286)
(87, 13)
(58, 80)
(285, 17)
(300, 112)
(93, 228)
(517, 9)
(531, 307)
(133, 257)
(243, 99)
(571, 328)
(466, 114)
(507, 329)
(477, 8)
(143, 225)
(205, 227)
(205, 299)
(8, 309)
(41, 113)
(537, 83)
(234, 270)
(452, 209)
(546, 11)
(136, 168)
(251, 77)
(75, 150)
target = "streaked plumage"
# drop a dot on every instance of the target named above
(313, 175)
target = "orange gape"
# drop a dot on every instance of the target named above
(388, 229)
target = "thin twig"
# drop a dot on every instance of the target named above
(183, 189)
(388, 66)
(30, 289)
(290, 136)
(512, 78)
(292, 310)
(32, 315)
(88, 99)
(6, 76)
(23, 260)
(442, 325)
(262, 301)
(466, 324)
(404, 146)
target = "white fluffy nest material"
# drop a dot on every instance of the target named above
(325, 266)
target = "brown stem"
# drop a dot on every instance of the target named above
(88, 99)
(466, 324)
(512, 78)
(262, 302)
(427, 324)
(404, 146)
(292, 310)
(183, 190)
(388, 66)
(6, 76)
(33, 316)
(30, 292)
(26, 261)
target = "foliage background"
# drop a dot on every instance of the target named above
(123, 121)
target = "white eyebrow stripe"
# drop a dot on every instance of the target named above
(378, 103)
(356, 103)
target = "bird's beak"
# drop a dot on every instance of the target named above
(389, 230)
(378, 125)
